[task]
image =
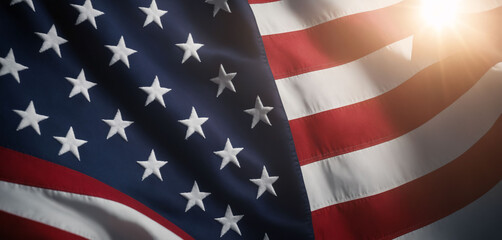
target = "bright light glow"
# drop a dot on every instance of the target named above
(440, 13)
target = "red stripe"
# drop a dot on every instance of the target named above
(389, 115)
(261, 1)
(338, 41)
(420, 202)
(28, 170)
(14, 227)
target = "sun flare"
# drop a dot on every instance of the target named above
(440, 13)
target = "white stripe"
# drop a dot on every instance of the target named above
(391, 164)
(363, 79)
(86, 216)
(470, 6)
(292, 15)
(478, 220)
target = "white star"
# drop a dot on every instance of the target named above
(224, 80)
(117, 125)
(29, 2)
(153, 13)
(229, 154)
(87, 12)
(30, 118)
(219, 4)
(9, 65)
(265, 183)
(120, 52)
(155, 92)
(80, 85)
(70, 143)
(195, 197)
(259, 112)
(229, 221)
(190, 49)
(152, 166)
(51, 40)
(194, 124)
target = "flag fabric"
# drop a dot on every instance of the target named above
(384, 109)
(106, 134)
(231, 119)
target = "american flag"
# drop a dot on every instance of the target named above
(259, 119)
